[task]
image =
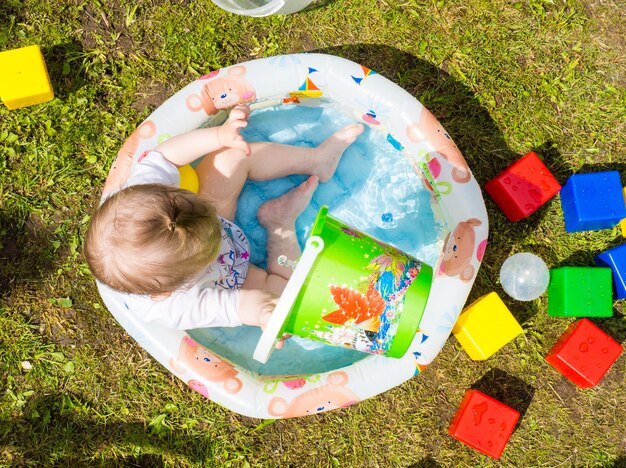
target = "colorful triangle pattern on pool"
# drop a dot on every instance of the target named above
(366, 72)
(308, 88)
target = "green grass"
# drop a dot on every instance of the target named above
(504, 77)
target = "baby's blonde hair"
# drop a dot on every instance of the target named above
(151, 239)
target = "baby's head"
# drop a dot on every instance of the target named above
(152, 239)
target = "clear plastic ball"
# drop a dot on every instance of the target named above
(524, 276)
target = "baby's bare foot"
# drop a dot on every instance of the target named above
(327, 155)
(283, 211)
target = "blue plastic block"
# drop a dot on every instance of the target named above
(592, 201)
(615, 259)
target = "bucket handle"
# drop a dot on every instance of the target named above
(264, 10)
(265, 346)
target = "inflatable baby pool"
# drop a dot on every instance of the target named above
(409, 137)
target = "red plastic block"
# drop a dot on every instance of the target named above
(584, 353)
(483, 423)
(523, 187)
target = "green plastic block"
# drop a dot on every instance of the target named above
(580, 292)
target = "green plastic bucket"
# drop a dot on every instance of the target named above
(351, 290)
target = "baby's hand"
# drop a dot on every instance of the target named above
(256, 307)
(229, 132)
(264, 318)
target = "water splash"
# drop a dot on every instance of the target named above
(284, 261)
(478, 411)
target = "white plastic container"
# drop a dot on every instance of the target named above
(260, 8)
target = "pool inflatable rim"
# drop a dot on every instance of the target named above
(415, 133)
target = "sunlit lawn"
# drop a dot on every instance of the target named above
(504, 78)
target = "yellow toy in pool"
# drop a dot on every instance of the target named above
(189, 178)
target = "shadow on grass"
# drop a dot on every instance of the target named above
(619, 462)
(25, 249)
(580, 258)
(66, 75)
(508, 389)
(56, 429)
(9, 16)
(523, 311)
(64, 67)
(614, 326)
(620, 167)
(428, 462)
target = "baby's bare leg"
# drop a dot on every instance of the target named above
(223, 174)
(278, 216)
(258, 278)
(272, 160)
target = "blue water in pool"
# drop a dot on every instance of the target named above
(375, 190)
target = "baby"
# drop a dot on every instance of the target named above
(175, 257)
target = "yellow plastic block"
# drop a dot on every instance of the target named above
(623, 221)
(189, 178)
(24, 79)
(485, 326)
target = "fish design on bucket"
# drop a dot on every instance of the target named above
(366, 321)
(354, 307)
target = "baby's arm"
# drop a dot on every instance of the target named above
(187, 147)
(206, 307)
